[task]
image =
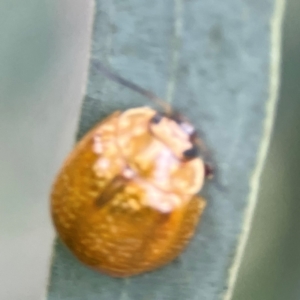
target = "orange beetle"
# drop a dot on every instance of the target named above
(125, 200)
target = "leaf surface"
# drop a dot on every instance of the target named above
(212, 60)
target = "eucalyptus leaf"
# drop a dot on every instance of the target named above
(217, 62)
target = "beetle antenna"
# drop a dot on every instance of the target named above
(113, 76)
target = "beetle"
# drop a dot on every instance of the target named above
(125, 200)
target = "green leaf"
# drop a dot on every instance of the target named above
(217, 61)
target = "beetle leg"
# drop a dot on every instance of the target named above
(114, 186)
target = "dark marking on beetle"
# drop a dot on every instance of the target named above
(191, 153)
(156, 118)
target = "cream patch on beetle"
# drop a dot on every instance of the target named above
(101, 166)
(187, 128)
(161, 201)
(197, 181)
(111, 258)
(172, 135)
(109, 219)
(138, 130)
(164, 160)
(116, 202)
(113, 229)
(97, 144)
(128, 173)
(125, 255)
(133, 204)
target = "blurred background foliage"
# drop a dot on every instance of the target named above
(43, 59)
(271, 266)
(43, 62)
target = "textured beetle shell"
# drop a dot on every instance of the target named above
(123, 202)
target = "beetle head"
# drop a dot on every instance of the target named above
(177, 133)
